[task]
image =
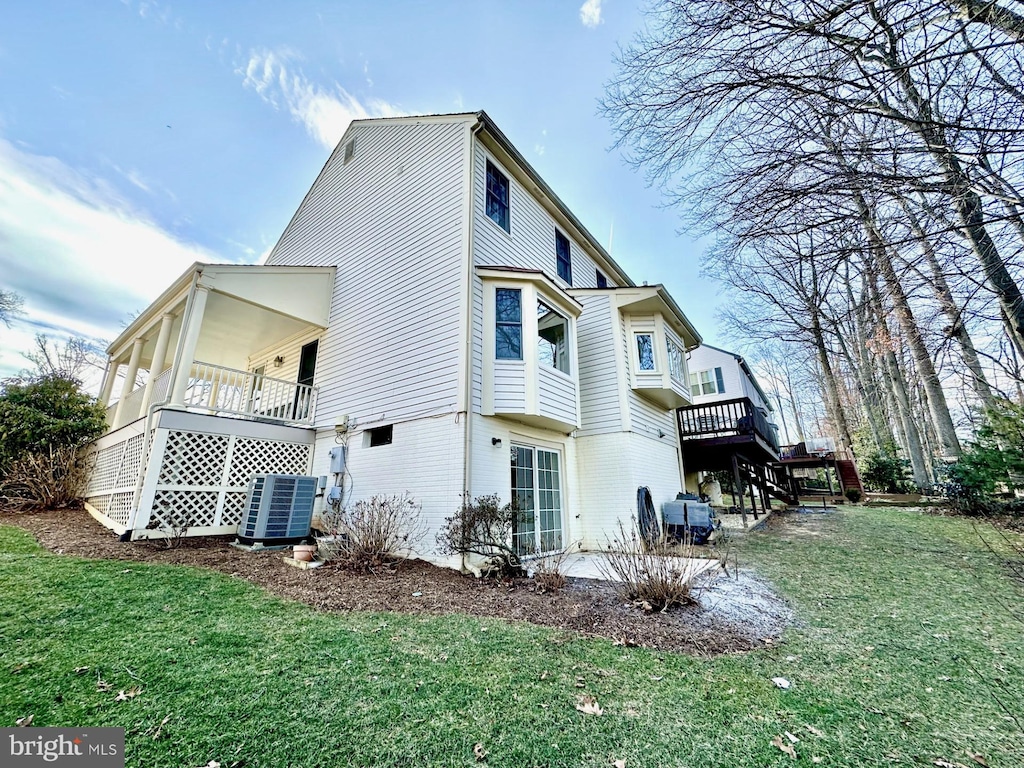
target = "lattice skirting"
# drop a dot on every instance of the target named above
(113, 477)
(203, 478)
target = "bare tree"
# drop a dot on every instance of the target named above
(70, 359)
(10, 306)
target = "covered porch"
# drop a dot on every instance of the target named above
(232, 350)
(223, 340)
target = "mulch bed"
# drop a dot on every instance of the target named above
(734, 614)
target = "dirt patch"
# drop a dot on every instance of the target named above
(737, 612)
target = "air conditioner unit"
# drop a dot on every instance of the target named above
(278, 509)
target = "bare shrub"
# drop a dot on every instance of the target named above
(549, 570)
(656, 576)
(483, 527)
(52, 478)
(371, 533)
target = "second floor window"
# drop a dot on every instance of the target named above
(508, 338)
(645, 351)
(497, 197)
(602, 281)
(552, 338)
(564, 263)
(708, 382)
(676, 367)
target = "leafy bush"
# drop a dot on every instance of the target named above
(853, 495)
(657, 577)
(884, 472)
(44, 421)
(483, 527)
(371, 533)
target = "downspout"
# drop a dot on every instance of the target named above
(148, 445)
(467, 383)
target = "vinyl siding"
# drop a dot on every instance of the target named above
(390, 220)
(646, 417)
(737, 383)
(509, 386)
(599, 385)
(530, 245)
(556, 395)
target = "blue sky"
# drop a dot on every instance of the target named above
(137, 136)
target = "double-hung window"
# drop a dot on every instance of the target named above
(508, 339)
(497, 202)
(708, 382)
(562, 258)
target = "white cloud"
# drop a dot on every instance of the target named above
(81, 255)
(324, 112)
(590, 13)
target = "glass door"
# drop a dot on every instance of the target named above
(537, 496)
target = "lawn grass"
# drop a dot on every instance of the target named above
(907, 648)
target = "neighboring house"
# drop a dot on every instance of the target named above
(717, 375)
(729, 427)
(434, 307)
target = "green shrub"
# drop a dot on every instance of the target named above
(992, 466)
(884, 472)
(853, 495)
(44, 421)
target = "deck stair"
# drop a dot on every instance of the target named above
(848, 475)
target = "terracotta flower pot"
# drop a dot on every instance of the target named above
(304, 552)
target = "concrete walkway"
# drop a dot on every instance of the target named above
(586, 565)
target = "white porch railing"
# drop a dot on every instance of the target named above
(217, 390)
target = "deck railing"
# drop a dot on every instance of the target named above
(725, 418)
(219, 390)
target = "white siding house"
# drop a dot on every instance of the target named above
(444, 316)
(717, 375)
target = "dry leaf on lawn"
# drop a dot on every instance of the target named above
(103, 685)
(979, 759)
(131, 693)
(815, 731)
(24, 722)
(792, 739)
(160, 728)
(940, 763)
(479, 752)
(588, 706)
(619, 764)
(784, 747)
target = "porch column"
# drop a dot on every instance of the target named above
(109, 374)
(192, 324)
(129, 382)
(159, 359)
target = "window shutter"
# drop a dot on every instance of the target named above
(719, 380)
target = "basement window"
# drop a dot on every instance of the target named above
(380, 436)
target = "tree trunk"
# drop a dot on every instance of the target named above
(958, 328)
(830, 386)
(897, 386)
(937, 406)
